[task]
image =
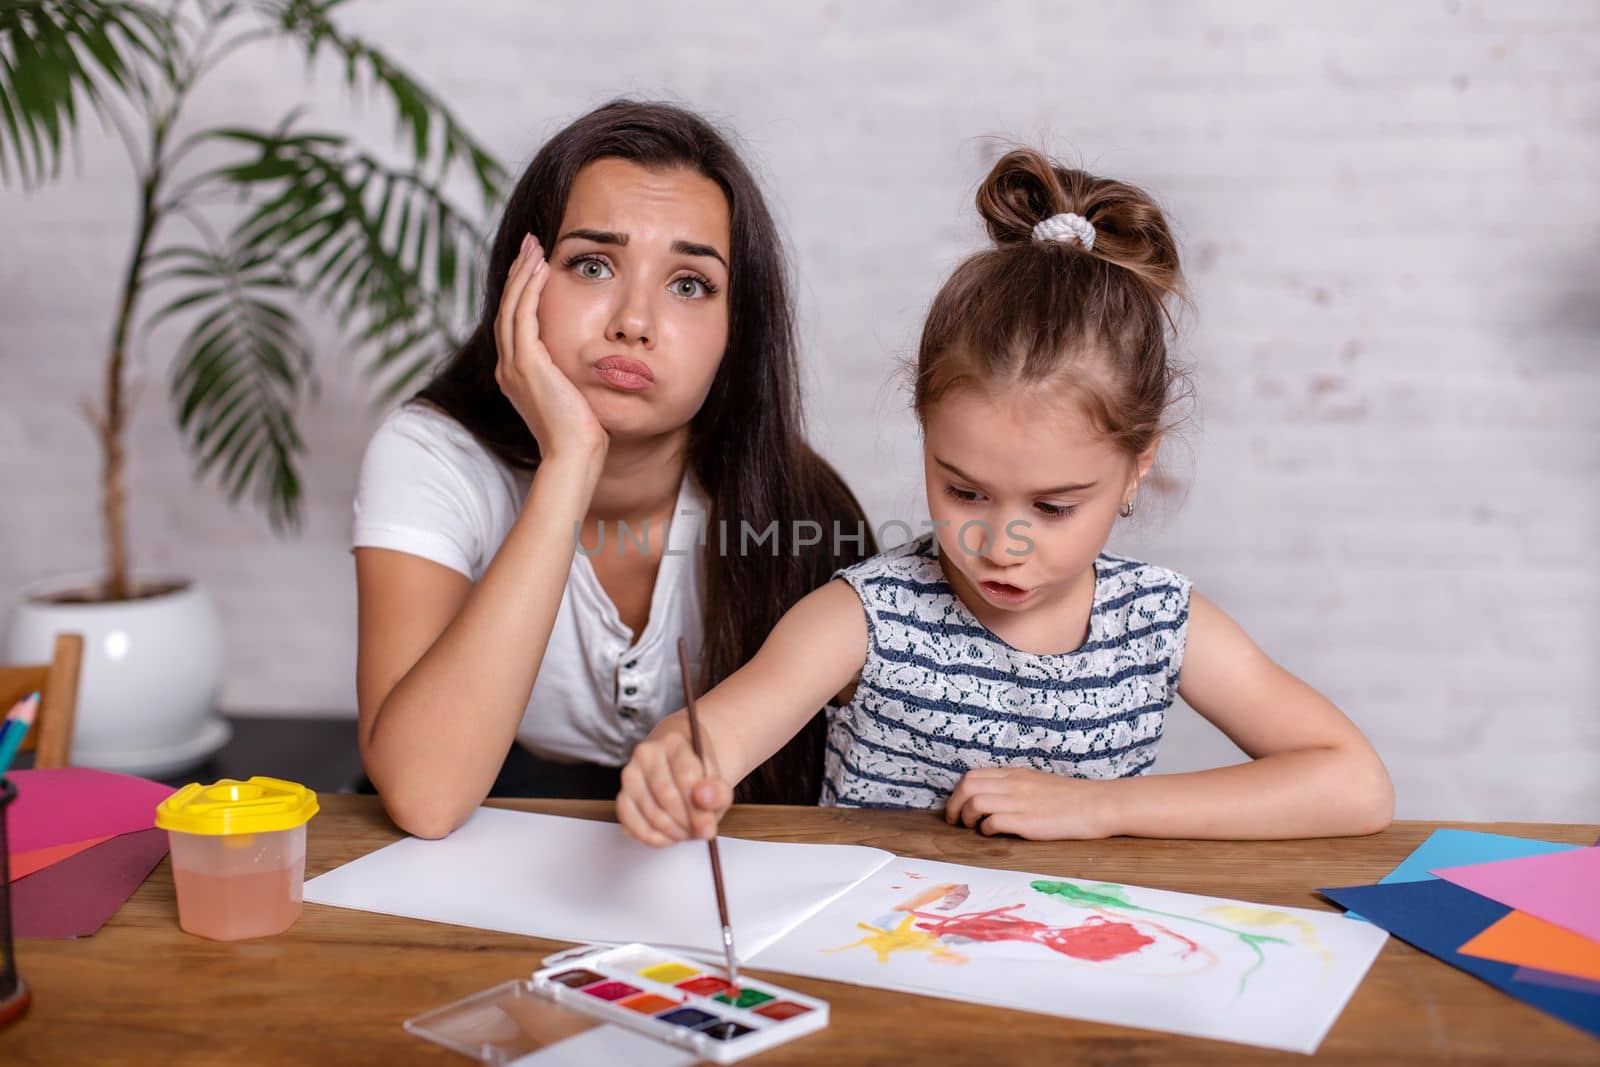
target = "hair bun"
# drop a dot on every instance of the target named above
(1025, 196)
(1022, 190)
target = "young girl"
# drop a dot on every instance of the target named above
(643, 373)
(1005, 667)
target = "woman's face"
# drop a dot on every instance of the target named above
(636, 309)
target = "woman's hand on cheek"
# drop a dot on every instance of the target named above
(1029, 803)
(557, 414)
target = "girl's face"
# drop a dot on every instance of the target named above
(636, 311)
(1024, 491)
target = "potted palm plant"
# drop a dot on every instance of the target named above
(235, 250)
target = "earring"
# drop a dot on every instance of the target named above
(1126, 510)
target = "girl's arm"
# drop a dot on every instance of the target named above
(444, 666)
(815, 652)
(1311, 773)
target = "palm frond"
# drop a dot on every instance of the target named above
(240, 372)
(436, 137)
(380, 246)
(54, 53)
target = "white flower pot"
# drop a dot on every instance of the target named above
(152, 668)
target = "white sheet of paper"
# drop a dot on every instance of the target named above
(1117, 954)
(583, 880)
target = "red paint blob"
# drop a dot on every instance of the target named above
(1096, 940)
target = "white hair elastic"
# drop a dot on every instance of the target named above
(1066, 227)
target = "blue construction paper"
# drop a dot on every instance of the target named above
(1560, 981)
(1437, 917)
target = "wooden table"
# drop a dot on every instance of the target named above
(334, 989)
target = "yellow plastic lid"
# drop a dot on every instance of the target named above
(230, 806)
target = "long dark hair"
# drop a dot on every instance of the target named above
(746, 445)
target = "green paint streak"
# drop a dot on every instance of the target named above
(1107, 895)
(1104, 895)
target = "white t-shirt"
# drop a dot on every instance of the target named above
(428, 487)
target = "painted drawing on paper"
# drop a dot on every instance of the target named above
(1208, 966)
(939, 921)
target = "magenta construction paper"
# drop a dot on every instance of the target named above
(75, 897)
(74, 803)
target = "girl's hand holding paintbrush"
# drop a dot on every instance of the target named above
(813, 655)
(668, 794)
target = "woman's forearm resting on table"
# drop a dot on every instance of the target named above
(428, 789)
(437, 739)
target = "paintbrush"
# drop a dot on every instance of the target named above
(711, 845)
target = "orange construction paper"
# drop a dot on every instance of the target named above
(1529, 941)
(25, 863)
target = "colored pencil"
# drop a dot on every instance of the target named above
(711, 845)
(17, 722)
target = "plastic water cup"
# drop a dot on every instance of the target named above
(238, 855)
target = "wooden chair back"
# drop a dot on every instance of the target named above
(57, 683)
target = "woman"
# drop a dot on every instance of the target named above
(520, 574)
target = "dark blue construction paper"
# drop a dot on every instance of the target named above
(1439, 917)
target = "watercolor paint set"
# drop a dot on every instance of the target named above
(686, 1004)
(647, 990)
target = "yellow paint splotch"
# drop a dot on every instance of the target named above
(904, 937)
(1249, 915)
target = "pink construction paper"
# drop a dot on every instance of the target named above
(1558, 887)
(75, 897)
(75, 803)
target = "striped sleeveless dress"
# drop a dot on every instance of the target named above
(940, 694)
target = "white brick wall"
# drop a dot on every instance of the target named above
(1391, 220)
